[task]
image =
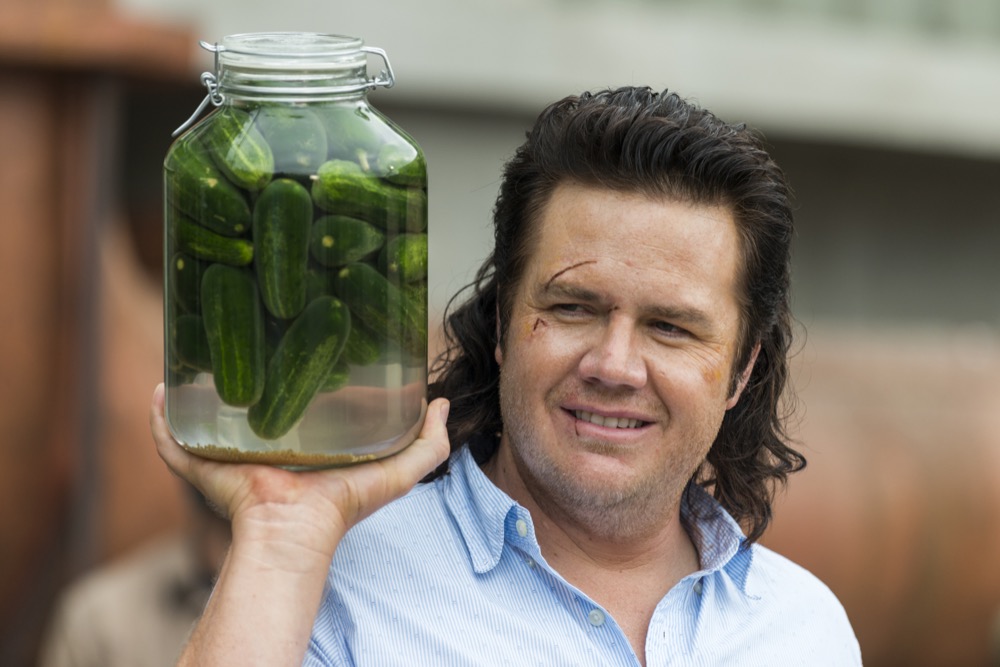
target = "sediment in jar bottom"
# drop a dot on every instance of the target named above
(336, 435)
(283, 458)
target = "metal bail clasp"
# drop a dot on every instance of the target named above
(211, 82)
(385, 77)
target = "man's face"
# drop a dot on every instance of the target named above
(616, 364)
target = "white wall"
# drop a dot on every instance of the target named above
(778, 70)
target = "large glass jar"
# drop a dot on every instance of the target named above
(295, 261)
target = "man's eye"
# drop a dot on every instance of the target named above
(668, 329)
(569, 308)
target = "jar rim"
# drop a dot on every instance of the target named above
(289, 45)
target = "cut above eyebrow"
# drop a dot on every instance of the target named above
(568, 268)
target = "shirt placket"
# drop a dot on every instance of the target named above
(608, 641)
(674, 627)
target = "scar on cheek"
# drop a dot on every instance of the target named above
(539, 322)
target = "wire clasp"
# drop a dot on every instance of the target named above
(211, 82)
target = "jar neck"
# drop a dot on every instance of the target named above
(291, 67)
(291, 86)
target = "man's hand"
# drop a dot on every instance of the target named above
(286, 526)
(338, 497)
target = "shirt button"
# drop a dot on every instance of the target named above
(596, 617)
(522, 527)
(697, 587)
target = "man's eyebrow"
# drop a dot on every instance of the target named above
(568, 290)
(689, 316)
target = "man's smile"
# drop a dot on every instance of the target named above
(609, 422)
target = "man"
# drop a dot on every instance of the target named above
(619, 362)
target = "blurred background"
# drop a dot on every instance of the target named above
(884, 113)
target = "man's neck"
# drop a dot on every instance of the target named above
(626, 572)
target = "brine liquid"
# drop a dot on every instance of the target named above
(377, 414)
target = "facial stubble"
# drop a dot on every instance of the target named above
(618, 509)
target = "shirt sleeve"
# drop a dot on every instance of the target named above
(327, 646)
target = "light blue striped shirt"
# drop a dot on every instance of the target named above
(451, 574)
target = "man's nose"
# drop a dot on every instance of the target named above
(614, 358)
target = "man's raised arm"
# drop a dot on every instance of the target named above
(285, 527)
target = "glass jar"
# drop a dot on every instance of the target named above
(295, 228)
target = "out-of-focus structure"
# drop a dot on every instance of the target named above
(884, 113)
(79, 331)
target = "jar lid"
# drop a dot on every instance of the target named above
(291, 50)
(290, 66)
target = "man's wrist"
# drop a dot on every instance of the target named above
(284, 538)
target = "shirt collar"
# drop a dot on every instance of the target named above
(482, 511)
(718, 537)
(479, 508)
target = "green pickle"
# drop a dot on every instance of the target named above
(198, 190)
(295, 277)
(349, 134)
(191, 238)
(404, 258)
(296, 136)
(336, 240)
(343, 188)
(191, 343)
(234, 329)
(282, 218)
(303, 359)
(402, 165)
(238, 148)
(184, 281)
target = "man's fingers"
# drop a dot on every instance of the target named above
(426, 453)
(369, 486)
(175, 456)
(361, 489)
(432, 446)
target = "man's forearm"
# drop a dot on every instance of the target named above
(258, 614)
(285, 527)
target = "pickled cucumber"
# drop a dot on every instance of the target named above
(282, 218)
(391, 313)
(302, 361)
(343, 188)
(196, 188)
(234, 327)
(238, 148)
(296, 136)
(402, 164)
(404, 258)
(350, 136)
(205, 244)
(190, 342)
(336, 240)
(184, 279)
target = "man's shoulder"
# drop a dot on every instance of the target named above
(421, 499)
(421, 511)
(461, 492)
(802, 606)
(776, 575)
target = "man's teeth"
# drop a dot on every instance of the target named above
(610, 422)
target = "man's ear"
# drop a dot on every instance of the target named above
(744, 378)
